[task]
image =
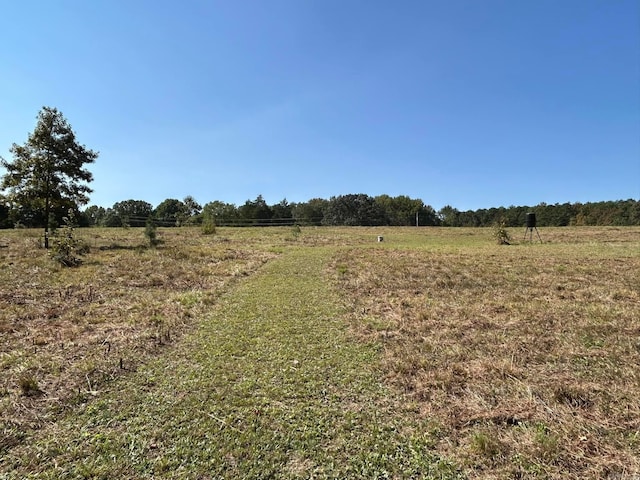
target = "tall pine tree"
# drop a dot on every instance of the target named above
(47, 173)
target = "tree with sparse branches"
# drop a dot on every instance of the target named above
(47, 173)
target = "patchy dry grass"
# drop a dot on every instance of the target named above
(270, 385)
(518, 361)
(527, 356)
(64, 332)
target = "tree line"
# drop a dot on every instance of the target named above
(46, 182)
(353, 209)
(342, 210)
(606, 213)
(358, 210)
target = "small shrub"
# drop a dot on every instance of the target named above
(208, 226)
(151, 233)
(66, 249)
(501, 234)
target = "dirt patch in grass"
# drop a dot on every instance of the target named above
(527, 356)
(64, 332)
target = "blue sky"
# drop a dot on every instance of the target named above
(471, 103)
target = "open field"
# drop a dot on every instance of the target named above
(527, 357)
(66, 331)
(268, 353)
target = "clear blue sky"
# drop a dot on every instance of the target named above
(472, 103)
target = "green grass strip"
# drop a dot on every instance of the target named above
(271, 386)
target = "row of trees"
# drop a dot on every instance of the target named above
(357, 209)
(47, 179)
(136, 213)
(350, 210)
(620, 213)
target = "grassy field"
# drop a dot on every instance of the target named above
(273, 353)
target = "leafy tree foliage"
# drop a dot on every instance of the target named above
(403, 210)
(208, 225)
(501, 234)
(282, 213)
(5, 211)
(256, 212)
(428, 217)
(133, 212)
(311, 212)
(47, 174)
(399, 210)
(151, 233)
(220, 213)
(193, 208)
(4, 217)
(621, 212)
(448, 216)
(171, 212)
(94, 215)
(359, 209)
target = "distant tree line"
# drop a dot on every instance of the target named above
(620, 212)
(359, 209)
(350, 210)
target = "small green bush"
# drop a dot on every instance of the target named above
(501, 234)
(151, 233)
(208, 226)
(66, 249)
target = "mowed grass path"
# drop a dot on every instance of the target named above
(272, 385)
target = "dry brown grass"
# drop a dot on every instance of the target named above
(64, 332)
(526, 357)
